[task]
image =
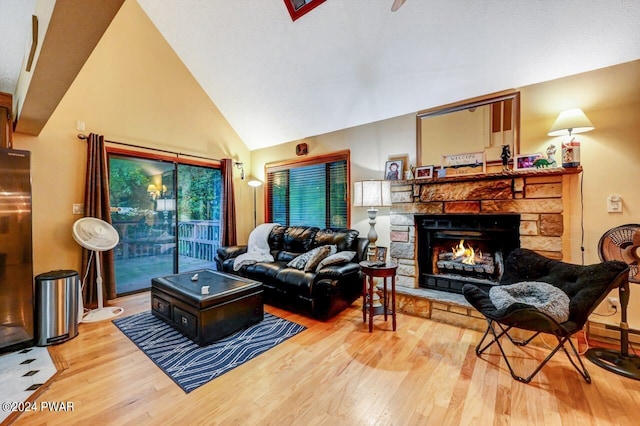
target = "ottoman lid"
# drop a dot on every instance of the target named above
(221, 285)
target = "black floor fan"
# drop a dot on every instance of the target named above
(620, 243)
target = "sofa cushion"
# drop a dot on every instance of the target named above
(336, 259)
(344, 239)
(321, 254)
(264, 271)
(315, 255)
(298, 239)
(285, 256)
(295, 283)
(276, 237)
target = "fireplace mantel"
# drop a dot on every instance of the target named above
(499, 175)
(539, 196)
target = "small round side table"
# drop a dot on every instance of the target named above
(385, 271)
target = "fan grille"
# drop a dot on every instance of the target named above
(622, 243)
(95, 234)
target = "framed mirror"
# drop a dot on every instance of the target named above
(482, 124)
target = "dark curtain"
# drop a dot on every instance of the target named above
(229, 204)
(96, 204)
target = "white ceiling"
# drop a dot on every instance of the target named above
(15, 40)
(352, 62)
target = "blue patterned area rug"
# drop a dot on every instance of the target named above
(190, 365)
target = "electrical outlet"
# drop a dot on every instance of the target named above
(614, 304)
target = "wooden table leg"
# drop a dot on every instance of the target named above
(386, 298)
(370, 304)
(364, 298)
(393, 300)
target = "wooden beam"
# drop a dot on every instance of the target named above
(6, 134)
(75, 28)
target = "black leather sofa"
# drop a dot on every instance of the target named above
(319, 293)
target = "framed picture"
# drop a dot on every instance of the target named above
(297, 8)
(381, 254)
(424, 172)
(393, 169)
(472, 163)
(526, 161)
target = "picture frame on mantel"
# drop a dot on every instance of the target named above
(424, 172)
(526, 161)
(297, 8)
(472, 163)
(393, 169)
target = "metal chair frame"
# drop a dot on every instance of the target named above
(522, 343)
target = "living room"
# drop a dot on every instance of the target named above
(135, 89)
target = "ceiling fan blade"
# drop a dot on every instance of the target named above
(396, 5)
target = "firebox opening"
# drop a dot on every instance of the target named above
(466, 258)
(457, 249)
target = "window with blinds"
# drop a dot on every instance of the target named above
(313, 192)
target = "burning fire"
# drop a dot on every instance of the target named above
(466, 254)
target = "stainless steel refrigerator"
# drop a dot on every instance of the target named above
(16, 265)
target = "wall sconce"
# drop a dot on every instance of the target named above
(568, 123)
(240, 166)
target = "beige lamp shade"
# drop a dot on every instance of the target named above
(570, 122)
(372, 193)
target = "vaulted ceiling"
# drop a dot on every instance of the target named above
(352, 62)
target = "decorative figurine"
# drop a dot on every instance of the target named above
(550, 161)
(506, 154)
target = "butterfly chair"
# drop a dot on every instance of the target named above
(536, 304)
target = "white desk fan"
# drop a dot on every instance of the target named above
(97, 235)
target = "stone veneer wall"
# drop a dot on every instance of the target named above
(536, 195)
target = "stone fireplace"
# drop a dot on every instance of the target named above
(454, 249)
(539, 199)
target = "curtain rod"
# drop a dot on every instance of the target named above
(177, 154)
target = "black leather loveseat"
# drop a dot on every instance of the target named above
(320, 292)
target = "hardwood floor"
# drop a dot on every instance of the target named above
(333, 373)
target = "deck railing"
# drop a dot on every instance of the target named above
(198, 239)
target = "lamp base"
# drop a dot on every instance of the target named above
(101, 314)
(614, 361)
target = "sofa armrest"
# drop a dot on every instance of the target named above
(338, 271)
(228, 252)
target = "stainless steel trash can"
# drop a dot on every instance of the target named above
(57, 295)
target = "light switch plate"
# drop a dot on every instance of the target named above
(78, 208)
(614, 203)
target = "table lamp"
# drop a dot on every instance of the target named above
(372, 194)
(570, 122)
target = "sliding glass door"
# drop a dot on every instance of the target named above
(167, 215)
(198, 220)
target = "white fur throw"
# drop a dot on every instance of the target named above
(542, 296)
(258, 249)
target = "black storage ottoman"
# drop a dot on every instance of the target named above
(231, 304)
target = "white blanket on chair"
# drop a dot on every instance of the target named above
(258, 249)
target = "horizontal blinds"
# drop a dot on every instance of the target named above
(309, 195)
(278, 183)
(338, 194)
